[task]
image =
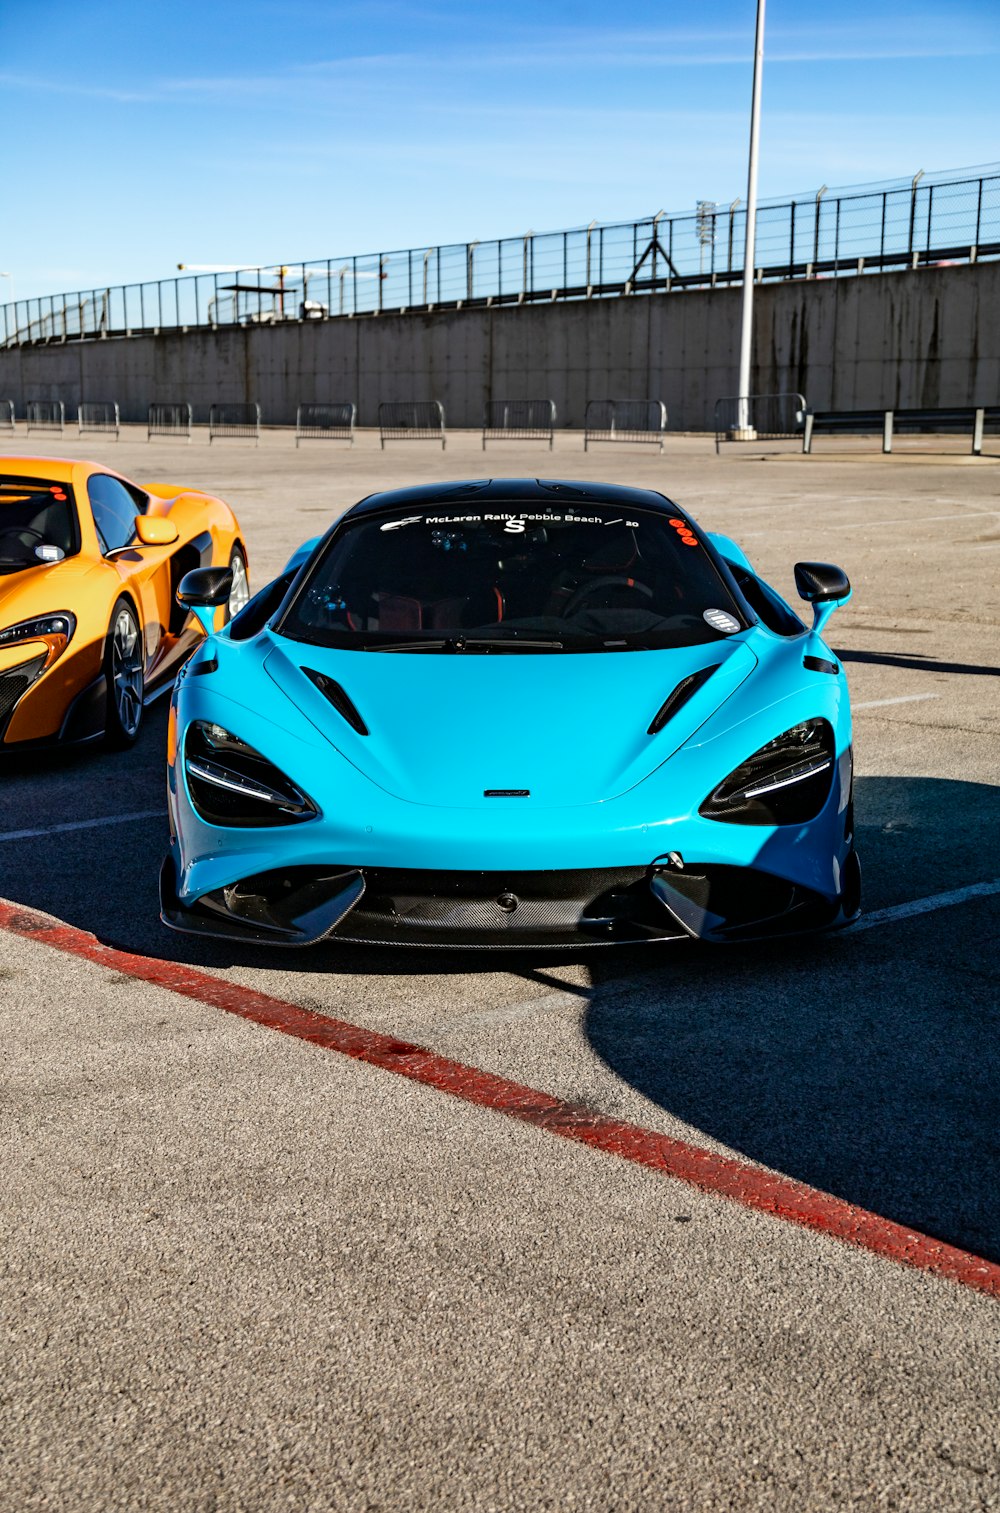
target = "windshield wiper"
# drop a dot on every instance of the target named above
(417, 644)
(483, 645)
(503, 643)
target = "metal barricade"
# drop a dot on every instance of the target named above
(411, 420)
(46, 415)
(169, 420)
(325, 423)
(925, 221)
(636, 420)
(6, 415)
(99, 415)
(242, 420)
(759, 417)
(519, 420)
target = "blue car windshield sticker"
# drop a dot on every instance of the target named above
(720, 620)
(581, 578)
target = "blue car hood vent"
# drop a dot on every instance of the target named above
(445, 730)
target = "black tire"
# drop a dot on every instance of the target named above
(240, 595)
(124, 662)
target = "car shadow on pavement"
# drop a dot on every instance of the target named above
(912, 661)
(867, 1065)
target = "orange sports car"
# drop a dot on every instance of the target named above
(90, 627)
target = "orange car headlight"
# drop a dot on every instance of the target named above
(55, 630)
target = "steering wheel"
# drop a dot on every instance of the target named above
(586, 591)
(22, 530)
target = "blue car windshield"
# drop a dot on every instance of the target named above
(592, 577)
(37, 522)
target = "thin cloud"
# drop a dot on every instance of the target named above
(524, 49)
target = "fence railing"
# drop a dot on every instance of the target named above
(45, 415)
(966, 420)
(519, 420)
(929, 219)
(411, 420)
(759, 417)
(636, 420)
(100, 415)
(170, 419)
(6, 415)
(241, 420)
(330, 422)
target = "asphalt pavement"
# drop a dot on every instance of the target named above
(242, 1273)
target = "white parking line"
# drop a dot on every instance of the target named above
(924, 906)
(903, 698)
(107, 819)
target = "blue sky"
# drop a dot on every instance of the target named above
(136, 137)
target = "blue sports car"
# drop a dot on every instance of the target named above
(512, 712)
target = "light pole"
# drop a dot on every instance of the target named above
(744, 430)
(527, 264)
(590, 232)
(705, 227)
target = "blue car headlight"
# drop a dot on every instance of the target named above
(786, 782)
(231, 783)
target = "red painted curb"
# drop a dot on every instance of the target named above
(751, 1186)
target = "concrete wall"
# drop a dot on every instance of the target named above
(926, 337)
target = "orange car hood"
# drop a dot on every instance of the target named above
(44, 589)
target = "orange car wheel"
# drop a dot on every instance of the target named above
(239, 594)
(123, 675)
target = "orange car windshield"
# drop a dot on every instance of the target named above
(37, 522)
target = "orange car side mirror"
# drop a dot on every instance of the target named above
(154, 530)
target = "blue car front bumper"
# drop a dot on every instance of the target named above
(375, 868)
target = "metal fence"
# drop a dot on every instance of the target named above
(637, 420)
(241, 420)
(411, 420)
(46, 415)
(325, 422)
(170, 419)
(963, 420)
(769, 417)
(914, 222)
(99, 415)
(519, 420)
(6, 415)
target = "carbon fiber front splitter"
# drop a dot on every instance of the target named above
(295, 907)
(715, 903)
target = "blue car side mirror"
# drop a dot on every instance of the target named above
(823, 586)
(203, 590)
